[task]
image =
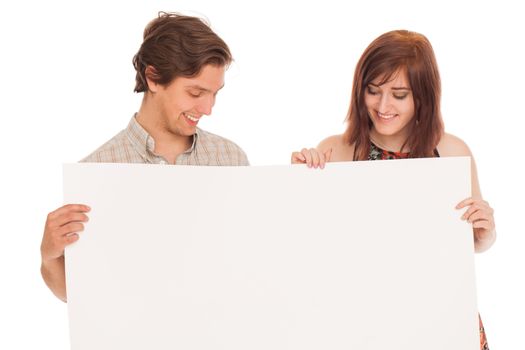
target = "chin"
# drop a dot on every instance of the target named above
(181, 133)
(385, 131)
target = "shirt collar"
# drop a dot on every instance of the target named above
(144, 142)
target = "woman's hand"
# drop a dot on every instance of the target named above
(481, 216)
(312, 157)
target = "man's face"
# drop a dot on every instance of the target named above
(184, 101)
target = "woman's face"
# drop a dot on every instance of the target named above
(390, 106)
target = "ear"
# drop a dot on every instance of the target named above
(151, 78)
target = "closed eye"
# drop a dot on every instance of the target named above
(372, 91)
(195, 94)
(400, 96)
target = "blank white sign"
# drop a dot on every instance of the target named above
(361, 255)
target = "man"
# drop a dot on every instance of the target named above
(180, 68)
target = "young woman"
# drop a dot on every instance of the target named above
(395, 113)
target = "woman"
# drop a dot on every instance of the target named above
(395, 113)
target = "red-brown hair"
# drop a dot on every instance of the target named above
(392, 52)
(177, 46)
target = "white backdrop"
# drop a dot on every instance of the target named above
(67, 83)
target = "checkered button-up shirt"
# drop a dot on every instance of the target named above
(135, 145)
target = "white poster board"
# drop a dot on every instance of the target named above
(362, 255)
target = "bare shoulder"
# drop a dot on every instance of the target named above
(452, 146)
(341, 150)
(330, 142)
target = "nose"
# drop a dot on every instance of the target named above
(384, 103)
(206, 105)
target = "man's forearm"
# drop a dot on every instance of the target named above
(54, 274)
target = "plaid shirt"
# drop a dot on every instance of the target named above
(135, 145)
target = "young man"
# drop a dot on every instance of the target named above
(180, 68)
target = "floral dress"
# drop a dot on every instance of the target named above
(377, 153)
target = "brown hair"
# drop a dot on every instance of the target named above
(176, 45)
(392, 52)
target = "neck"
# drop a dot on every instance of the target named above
(168, 143)
(392, 143)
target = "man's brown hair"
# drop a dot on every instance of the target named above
(177, 46)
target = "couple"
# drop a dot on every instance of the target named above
(394, 113)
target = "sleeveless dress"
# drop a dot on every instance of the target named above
(377, 153)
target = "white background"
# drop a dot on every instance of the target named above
(67, 83)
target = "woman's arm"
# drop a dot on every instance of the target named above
(478, 213)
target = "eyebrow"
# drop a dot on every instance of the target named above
(198, 87)
(394, 88)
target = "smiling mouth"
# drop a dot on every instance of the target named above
(386, 116)
(191, 118)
